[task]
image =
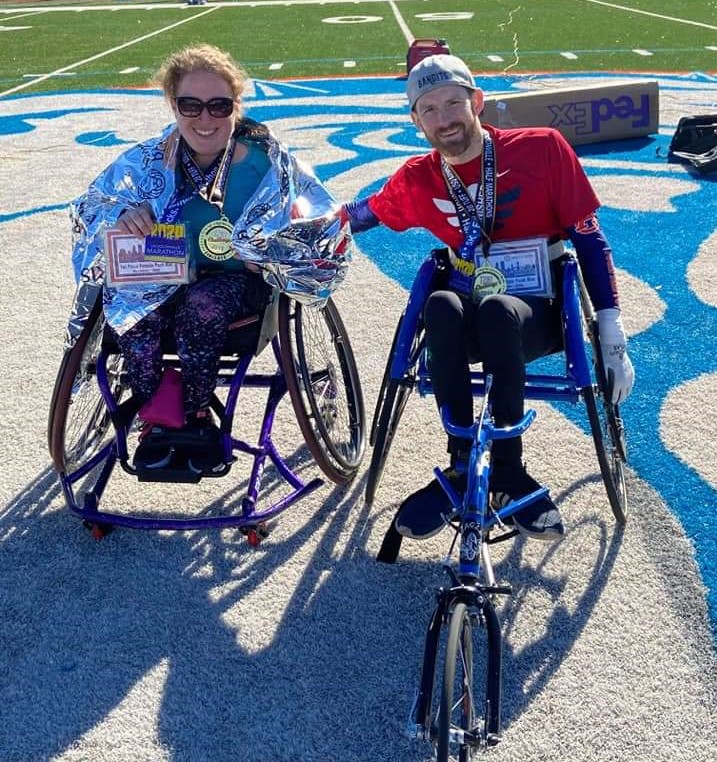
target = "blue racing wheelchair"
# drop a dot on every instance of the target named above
(583, 379)
(92, 423)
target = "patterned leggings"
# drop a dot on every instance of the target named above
(200, 314)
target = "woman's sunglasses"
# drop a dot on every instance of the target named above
(220, 108)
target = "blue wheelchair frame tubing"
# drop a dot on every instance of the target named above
(475, 521)
(538, 386)
(468, 583)
(117, 450)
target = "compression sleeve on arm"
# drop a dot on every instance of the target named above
(595, 258)
(359, 215)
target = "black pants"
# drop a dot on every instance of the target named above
(504, 333)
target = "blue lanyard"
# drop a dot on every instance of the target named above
(476, 218)
(209, 185)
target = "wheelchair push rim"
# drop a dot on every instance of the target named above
(79, 422)
(391, 403)
(323, 383)
(607, 429)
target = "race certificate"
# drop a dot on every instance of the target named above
(130, 263)
(525, 265)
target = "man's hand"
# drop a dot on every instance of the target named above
(613, 344)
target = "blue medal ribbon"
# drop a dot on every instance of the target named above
(476, 218)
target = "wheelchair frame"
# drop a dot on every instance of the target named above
(455, 710)
(583, 380)
(325, 393)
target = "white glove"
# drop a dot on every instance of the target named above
(613, 343)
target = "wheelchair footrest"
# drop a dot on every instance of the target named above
(178, 455)
(168, 474)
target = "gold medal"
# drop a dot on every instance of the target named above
(215, 240)
(488, 280)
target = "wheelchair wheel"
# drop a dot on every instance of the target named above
(390, 405)
(608, 432)
(79, 420)
(323, 383)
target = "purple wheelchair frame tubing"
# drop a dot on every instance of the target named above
(249, 517)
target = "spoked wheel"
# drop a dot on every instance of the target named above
(79, 422)
(390, 405)
(608, 434)
(461, 729)
(323, 383)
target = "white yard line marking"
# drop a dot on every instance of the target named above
(17, 16)
(641, 52)
(275, 66)
(650, 13)
(130, 70)
(55, 74)
(403, 26)
(108, 52)
(569, 56)
(146, 6)
(495, 59)
(349, 64)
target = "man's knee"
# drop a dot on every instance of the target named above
(443, 310)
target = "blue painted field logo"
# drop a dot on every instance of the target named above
(587, 117)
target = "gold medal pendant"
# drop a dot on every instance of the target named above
(488, 280)
(215, 240)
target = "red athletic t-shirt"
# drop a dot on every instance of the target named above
(541, 189)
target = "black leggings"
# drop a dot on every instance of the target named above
(200, 315)
(504, 333)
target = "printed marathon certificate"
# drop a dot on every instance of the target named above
(525, 266)
(136, 261)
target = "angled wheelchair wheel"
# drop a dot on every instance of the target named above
(79, 423)
(390, 405)
(608, 432)
(323, 383)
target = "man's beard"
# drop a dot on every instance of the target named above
(458, 144)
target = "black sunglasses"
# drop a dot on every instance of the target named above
(220, 108)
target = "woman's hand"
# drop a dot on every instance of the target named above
(136, 221)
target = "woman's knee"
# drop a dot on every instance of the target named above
(201, 305)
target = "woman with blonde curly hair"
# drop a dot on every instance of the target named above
(205, 171)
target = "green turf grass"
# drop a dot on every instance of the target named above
(529, 35)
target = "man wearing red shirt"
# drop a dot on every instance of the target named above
(478, 188)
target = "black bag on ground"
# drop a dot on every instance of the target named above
(695, 141)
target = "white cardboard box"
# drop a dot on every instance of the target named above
(588, 114)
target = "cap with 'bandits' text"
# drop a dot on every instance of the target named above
(436, 71)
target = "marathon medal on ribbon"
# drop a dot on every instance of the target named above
(488, 280)
(215, 240)
(476, 218)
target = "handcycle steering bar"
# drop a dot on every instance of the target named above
(496, 432)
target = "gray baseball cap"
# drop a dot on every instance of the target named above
(436, 71)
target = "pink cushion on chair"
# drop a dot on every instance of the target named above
(166, 407)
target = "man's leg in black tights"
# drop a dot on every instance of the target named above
(448, 363)
(510, 332)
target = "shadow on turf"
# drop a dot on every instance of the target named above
(250, 667)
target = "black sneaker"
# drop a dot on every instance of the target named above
(424, 513)
(539, 520)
